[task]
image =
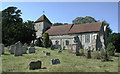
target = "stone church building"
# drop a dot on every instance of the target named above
(90, 35)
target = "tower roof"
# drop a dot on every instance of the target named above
(43, 18)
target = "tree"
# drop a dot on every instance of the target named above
(46, 39)
(57, 24)
(13, 27)
(110, 49)
(109, 31)
(114, 38)
(88, 19)
(81, 20)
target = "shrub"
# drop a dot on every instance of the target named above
(82, 52)
(110, 49)
(97, 55)
(46, 40)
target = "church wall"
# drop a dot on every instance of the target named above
(39, 28)
(84, 45)
(46, 26)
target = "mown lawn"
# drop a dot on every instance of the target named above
(69, 62)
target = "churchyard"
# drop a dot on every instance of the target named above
(67, 61)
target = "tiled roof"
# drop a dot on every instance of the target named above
(88, 27)
(57, 30)
(42, 18)
(70, 28)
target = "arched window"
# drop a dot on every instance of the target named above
(67, 42)
(87, 38)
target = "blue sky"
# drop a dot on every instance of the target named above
(65, 12)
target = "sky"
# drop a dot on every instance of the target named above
(65, 12)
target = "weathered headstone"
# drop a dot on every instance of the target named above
(89, 54)
(59, 51)
(35, 65)
(26, 46)
(43, 51)
(32, 44)
(52, 47)
(24, 50)
(47, 53)
(12, 49)
(18, 49)
(55, 61)
(31, 50)
(2, 48)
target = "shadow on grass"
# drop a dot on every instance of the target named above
(6, 54)
(116, 55)
(39, 68)
(44, 68)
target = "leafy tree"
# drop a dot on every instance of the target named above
(114, 38)
(46, 39)
(81, 20)
(109, 31)
(57, 24)
(13, 27)
(110, 49)
(88, 19)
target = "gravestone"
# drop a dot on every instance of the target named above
(43, 51)
(55, 61)
(11, 49)
(89, 54)
(24, 49)
(2, 48)
(18, 50)
(26, 46)
(31, 50)
(59, 51)
(52, 47)
(35, 65)
(32, 44)
(47, 53)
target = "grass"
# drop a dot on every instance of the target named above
(69, 62)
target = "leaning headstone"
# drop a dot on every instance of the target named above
(35, 65)
(11, 49)
(47, 53)
(18, 49)
(55, 61)
(89, 54)
(31, 50)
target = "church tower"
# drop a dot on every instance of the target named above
(41, 25)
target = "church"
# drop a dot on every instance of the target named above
(91, 36)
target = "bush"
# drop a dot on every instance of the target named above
(82, 52)
(46, 40)
(110, 49)
(96, 55)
